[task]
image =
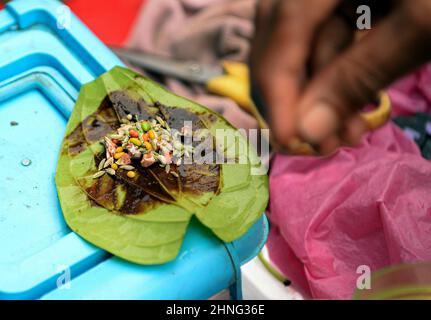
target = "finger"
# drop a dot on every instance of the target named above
(329, 145)
(280, 67)
(355, 129)
(396, 46)
(262, 21)
(334, 36)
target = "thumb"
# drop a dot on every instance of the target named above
(396, 46)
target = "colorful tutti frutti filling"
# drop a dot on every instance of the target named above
(144, 143)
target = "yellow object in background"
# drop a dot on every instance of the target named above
(234, 84)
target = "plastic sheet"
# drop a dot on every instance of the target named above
(369, 206)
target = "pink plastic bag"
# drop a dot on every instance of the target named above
(412, 93)
(369, 206)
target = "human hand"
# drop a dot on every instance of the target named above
(314, 78)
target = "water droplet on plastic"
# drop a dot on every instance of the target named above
(26, 162)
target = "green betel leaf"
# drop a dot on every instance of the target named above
(143, 217)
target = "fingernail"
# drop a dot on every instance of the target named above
(318, 123)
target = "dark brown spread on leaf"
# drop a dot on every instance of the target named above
(75, 142)
(152, 186)
(100, 123)
(103, 192)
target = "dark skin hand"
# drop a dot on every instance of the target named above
(314, 77)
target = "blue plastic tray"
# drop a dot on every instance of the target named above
(42, 68)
